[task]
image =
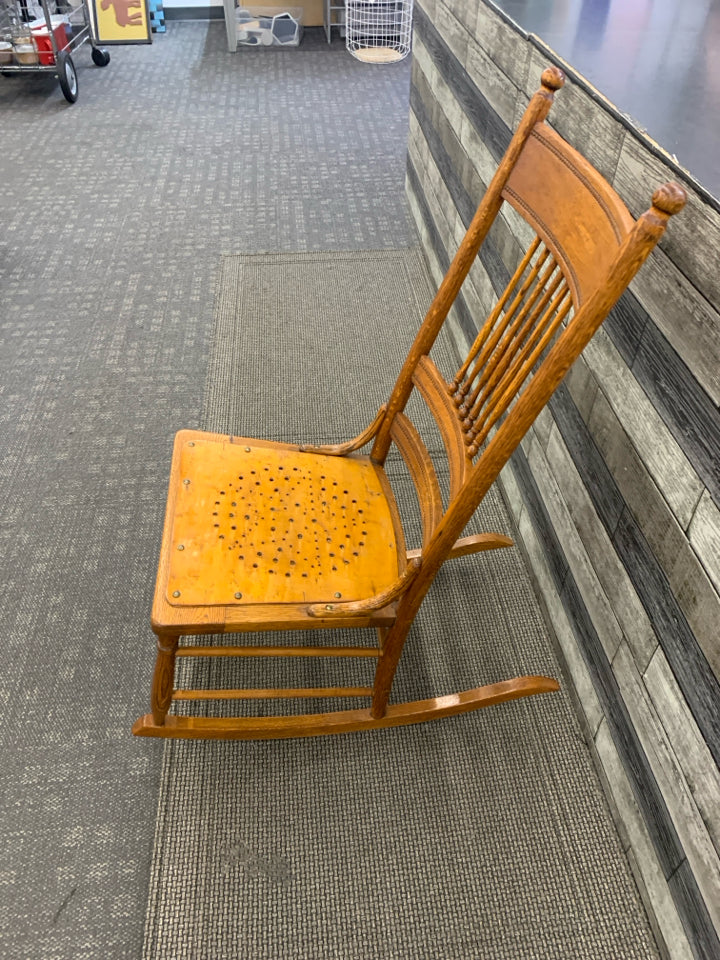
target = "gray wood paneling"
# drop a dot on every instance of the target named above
(668, 774)
(686, 318)
(542, 427)
(511, 492)
(667, 464)
(443, 146)
(686, 579)
(598, 480)
(438, 232)
(699, 602)
(582, 387)
(465, 12)
(594, 599)
(442, 93)
(693, 241)
(647, 793)
(453, 32)
(697, 923)
(504, 44)
(496, 88)
(509, 249)
(486, 294)
(554, 556)
(428, 221)
(492, 129)
(611, 573)
(695, 676)
(483, 293)
(667, 926)
(634, 482)
(591, 710)
(625, 325)
(697, 681)
(428, 7)
(704, 535)
(701, 774)
(494, 265)
(691, 416)
(656, 426)
(483, 164)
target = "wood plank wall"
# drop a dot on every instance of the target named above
(616, 490)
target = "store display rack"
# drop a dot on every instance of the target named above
(333, 16)
(39, 36)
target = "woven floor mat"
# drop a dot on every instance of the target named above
(480, 836)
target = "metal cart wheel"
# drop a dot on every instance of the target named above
(101, 58)
(67, 76)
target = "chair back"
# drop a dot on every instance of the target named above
(585, 247)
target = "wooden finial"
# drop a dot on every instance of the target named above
(670, 198)
(552, 78)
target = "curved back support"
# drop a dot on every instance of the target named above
(575, 212)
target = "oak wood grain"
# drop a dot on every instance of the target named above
(257, 650)
(272, 693)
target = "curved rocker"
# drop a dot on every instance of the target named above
(342, 721)
(268, 536)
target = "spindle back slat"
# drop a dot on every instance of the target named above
(485, 341)
(528, 313)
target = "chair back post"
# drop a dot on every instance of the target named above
(552, 79)
(667, 200)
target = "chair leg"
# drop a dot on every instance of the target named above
(162, 685)
(392, 646)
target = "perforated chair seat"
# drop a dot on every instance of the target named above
(252, 523)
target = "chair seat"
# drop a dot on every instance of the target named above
(251, 522)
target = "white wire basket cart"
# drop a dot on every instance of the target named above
(40, 36)
(378, 31)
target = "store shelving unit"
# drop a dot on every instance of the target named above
(333, 16)
(230, 24)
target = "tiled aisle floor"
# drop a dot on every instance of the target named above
(656, 60)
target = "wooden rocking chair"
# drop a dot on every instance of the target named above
(270, 536)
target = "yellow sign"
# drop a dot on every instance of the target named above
(122, 21)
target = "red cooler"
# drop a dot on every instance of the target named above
(41, 36)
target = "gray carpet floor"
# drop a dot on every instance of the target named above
(115, 212)
(483, 836)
